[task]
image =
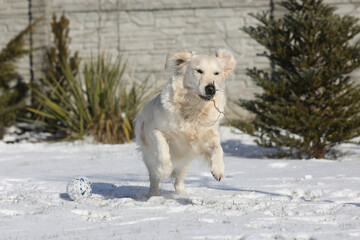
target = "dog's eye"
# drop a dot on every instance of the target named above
(216, 73)
(199, 71)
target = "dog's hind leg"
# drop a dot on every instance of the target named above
(154, 186)
(179, 174)
(154, 179)
(163, 165)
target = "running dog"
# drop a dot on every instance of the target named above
(181, 123)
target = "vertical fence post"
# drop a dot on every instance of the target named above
(31, 63)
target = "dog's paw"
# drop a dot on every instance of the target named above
(217, 177)
(218, 171)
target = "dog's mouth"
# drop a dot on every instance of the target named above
(205, 98)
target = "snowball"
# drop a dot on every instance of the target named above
(79, 187)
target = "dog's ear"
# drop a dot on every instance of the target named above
(178, 59)
(229, 60)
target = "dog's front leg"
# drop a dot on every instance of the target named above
(214, 155)
(163, 166)
(217, 164)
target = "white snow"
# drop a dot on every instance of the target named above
(259, 198)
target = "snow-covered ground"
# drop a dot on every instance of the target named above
(258, 199)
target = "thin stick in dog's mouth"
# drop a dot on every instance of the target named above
(221, 112)
(217, 109)
(205, 98)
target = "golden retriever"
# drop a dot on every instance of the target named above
(181, 123)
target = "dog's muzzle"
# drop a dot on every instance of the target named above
(209, 91)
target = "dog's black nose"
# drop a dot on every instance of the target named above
(210, 90)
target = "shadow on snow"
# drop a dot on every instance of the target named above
(237, 149)
(137, 193)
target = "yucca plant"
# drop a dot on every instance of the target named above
(98, 103)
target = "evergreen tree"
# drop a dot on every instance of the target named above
(309, 103)
(12, 89)
(58, 55)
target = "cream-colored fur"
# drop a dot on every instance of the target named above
(181, 123)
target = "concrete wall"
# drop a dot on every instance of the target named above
(144, 31)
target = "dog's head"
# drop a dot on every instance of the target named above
(203, 74)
